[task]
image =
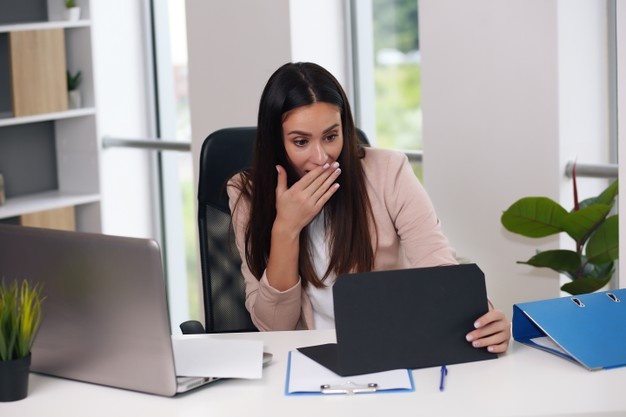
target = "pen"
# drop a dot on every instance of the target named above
(444, 372)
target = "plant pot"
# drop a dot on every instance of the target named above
(72, 14)
(14, 379)
(74, 99)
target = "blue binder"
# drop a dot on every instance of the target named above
(589, 329)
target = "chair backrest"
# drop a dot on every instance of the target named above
(224, 152)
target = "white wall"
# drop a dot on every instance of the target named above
(512, 90)
(325, 43)
(233, 47)
(122, 95)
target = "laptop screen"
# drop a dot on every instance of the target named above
(105, 316)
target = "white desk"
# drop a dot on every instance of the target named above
(523, 382)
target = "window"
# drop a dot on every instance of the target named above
(178, 193)
(387, 67)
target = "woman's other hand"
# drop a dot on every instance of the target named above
(492, 331)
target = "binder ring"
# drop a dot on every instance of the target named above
(613, 297)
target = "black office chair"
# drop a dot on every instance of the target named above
(224, 152)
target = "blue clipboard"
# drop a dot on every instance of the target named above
(589, 329)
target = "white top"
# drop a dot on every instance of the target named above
(321, 298)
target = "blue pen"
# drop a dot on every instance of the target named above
(444, 372)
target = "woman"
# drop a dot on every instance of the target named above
(316, 203)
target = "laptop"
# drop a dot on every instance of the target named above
(105, 316)
(409, 318)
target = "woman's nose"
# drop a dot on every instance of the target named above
(320, 154)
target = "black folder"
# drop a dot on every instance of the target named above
(409, 318)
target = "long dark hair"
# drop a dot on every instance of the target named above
(348, 213)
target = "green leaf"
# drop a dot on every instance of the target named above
(73, 81)
(603, 244)
(598, 271)
(20, 316)
(560, 260)
(606, 197)
(8, 319)
(534, 217)
(589, 226)
(579, 224)
(585, 285)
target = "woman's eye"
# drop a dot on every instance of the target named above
(331, 137)
(300, 142)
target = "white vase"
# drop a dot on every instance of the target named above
(74, 99)
(72, 14)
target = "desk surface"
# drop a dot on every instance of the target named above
(523, 382)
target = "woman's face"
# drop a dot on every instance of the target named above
(312, 136)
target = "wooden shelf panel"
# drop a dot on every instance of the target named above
(34, 203)
(38, 67)
(63, 218)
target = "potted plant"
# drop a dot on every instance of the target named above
(20, 316)
(74, 98)
(72, 11)
(590, 224)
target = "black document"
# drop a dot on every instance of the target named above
(410, 318)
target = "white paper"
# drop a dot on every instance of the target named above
(202, 355)
(306, 375)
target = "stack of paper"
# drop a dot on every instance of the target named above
(202, 355)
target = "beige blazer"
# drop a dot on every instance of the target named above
(409, 235)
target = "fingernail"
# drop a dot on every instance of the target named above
(335, 164)
(277, 170)
(326, 165)
(476, 324)
(476, 344)
(337, 171)
(468, 337)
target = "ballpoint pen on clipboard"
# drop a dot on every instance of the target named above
(442, 379)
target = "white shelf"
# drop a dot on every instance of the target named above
(12, 121)
(58, 24)
(49, 200)
(73, 133)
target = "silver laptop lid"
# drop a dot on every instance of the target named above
(105, 318)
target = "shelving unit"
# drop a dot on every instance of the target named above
(50, 161)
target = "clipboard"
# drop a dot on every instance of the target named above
(588, 329)
(406, 318)
(307, 377)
